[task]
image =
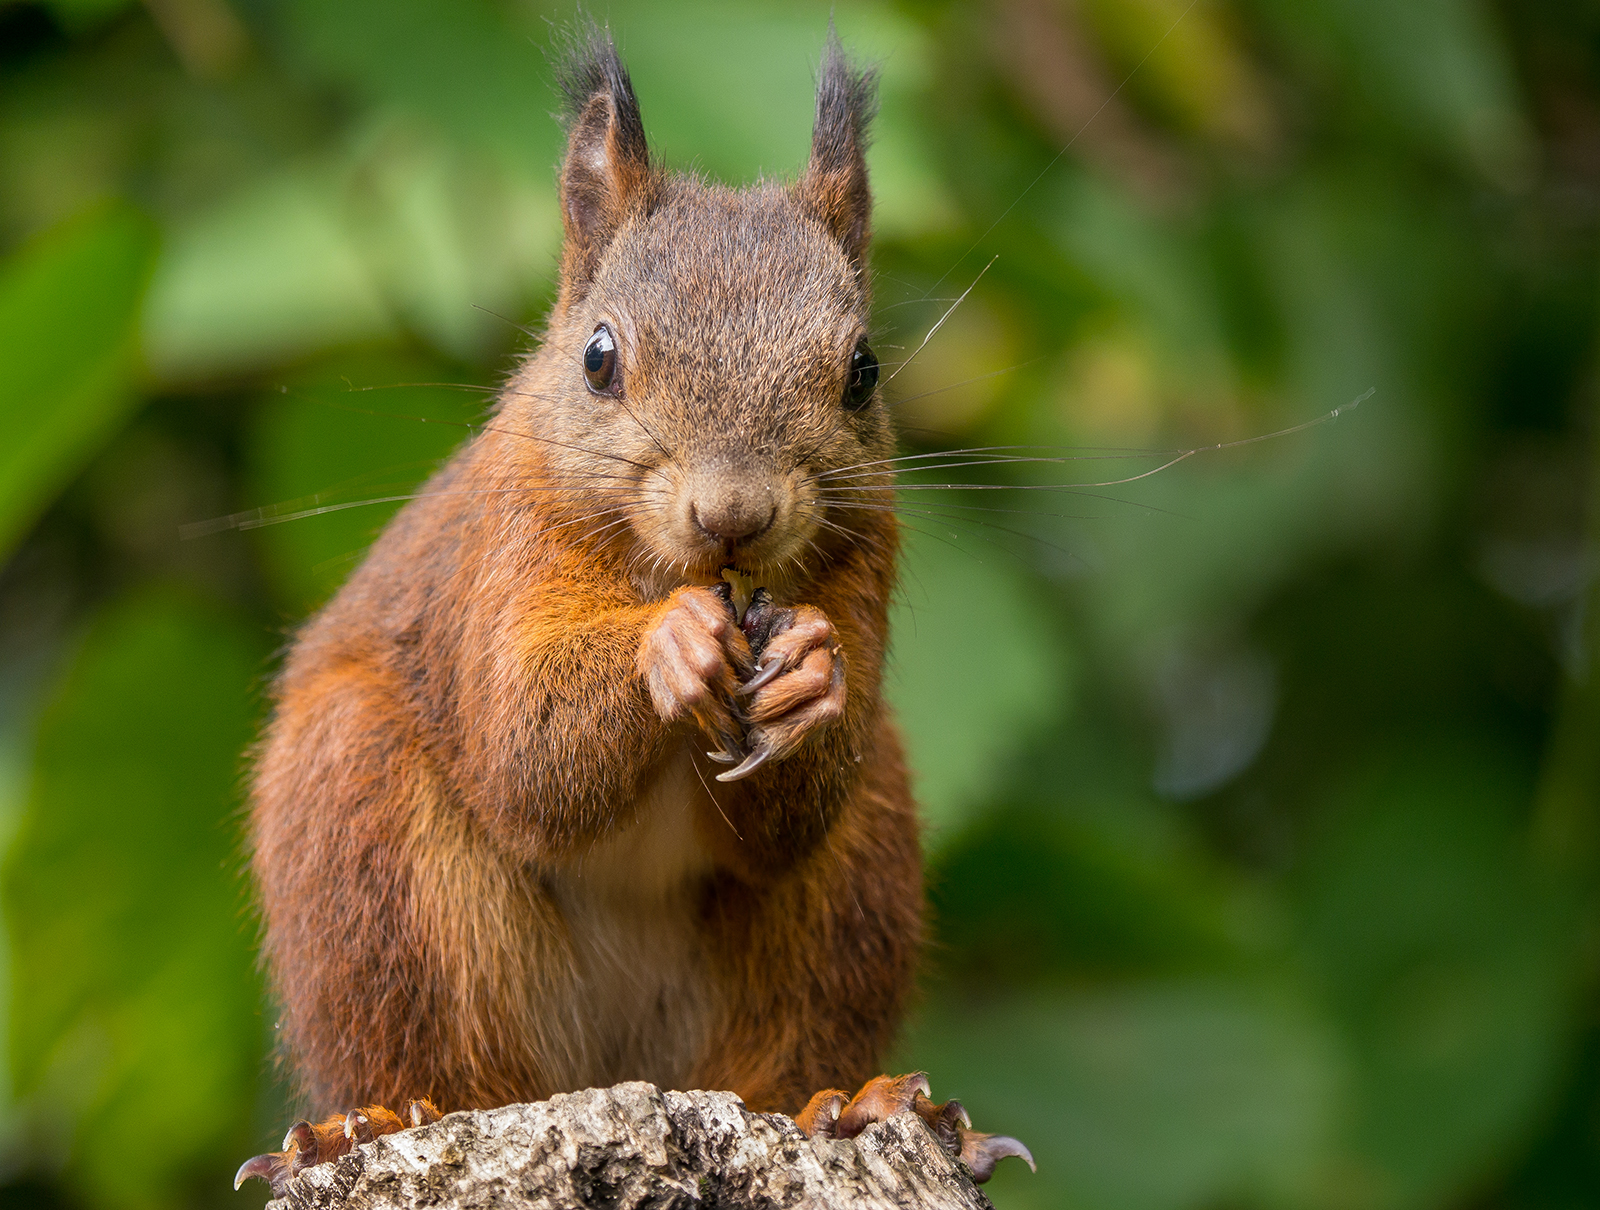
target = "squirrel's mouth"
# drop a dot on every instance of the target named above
(671, 563)
(695, 524)
(709, 554)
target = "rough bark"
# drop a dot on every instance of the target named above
(634, 1146)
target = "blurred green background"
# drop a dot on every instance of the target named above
(1263, 793)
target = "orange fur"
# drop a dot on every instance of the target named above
(491, 868)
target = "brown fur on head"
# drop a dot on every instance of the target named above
(736, 317)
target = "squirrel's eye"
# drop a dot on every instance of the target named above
(863, 379)
(600, 361)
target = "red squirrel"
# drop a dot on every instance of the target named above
(549, 799)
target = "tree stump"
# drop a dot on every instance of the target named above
(634, 1146)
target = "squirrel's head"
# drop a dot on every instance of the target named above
(707, 357)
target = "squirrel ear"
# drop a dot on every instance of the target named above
(834, 187)
(606, 173)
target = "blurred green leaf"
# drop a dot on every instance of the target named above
(69, 301)
(1044, 894)
(362, 428)
(1145, 1096)
(1192, 69)
(271, 275)
(136, 1008)
(1150, 268)
(460, 249)
(398, 233)
(1229, 527)
(1444, 952)
(79, 15)
(471, 67)
(1568, 826)
(1433, 66)
(976, 671)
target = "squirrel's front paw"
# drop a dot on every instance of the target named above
(692, 661)
(798, 684)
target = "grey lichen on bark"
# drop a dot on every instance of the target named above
(634, 1146)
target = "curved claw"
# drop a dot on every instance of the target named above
(732, 750)
(422, 1111)
(306, 1146)
(765, 674)
(748, 766)
(820, 1117)
(300, 1151)
(733, 744)
(945, 1121)
(302, 1136)
(881, 1098)
(981, 1152)
(261, 1168)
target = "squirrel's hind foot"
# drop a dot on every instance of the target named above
(834, 1114)
(308, 1144)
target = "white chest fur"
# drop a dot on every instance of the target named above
(642, 995)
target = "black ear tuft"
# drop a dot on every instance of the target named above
(588, 67)
(606, 174)
(834, 186)
(847, 101)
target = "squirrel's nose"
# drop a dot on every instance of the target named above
(731, 519)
